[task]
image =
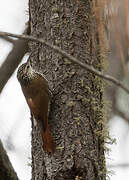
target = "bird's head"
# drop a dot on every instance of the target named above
(25, 73)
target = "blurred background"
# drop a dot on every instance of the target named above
(15, 129)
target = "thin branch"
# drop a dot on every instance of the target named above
(71, 58)
(20, 48)
(13, 59)
(10, 40)
(124, 165)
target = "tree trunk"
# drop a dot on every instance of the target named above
(76, 116)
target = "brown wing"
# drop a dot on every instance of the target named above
(37, 97)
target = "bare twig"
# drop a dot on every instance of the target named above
(20, 47)
(12, 61)
(8, 39)
(71, 58)
(124, 165)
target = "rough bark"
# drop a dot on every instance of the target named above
(76, 115)
(6, 170)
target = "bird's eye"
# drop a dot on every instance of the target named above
(27, 66)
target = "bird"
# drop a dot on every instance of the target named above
(37, 94)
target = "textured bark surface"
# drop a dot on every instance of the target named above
(76, 114)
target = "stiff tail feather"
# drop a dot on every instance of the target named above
(48, 143)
